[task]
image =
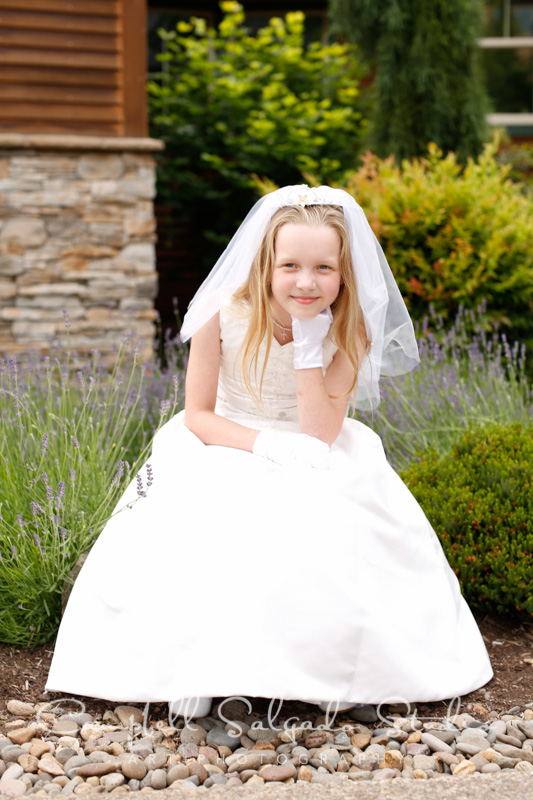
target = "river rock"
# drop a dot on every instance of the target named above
(275, 772)
(20, 709)
(158, 779)
(23, 735)
(263, 734)
(463, 768)
(193, 734)
(112, 780)
(195, 768)
(51, 765)
(39, 747)
(13, 772)
(417, 749)
(435, 743)
(513, 752)
(28, 762)
(156, 760)
(133, 767)
(251, 760)
(13, 787)
(524, 766)
(97, 768)
(65, 727)
(424, 762)
(177, 773)
(129, 715)
(220, 738)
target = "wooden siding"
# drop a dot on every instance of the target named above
(73, 66)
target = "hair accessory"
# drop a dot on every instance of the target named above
(388, 325)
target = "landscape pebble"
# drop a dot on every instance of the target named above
(44, 753)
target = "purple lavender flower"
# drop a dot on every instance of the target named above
(60, 493)
(140, 490)
(38, 542)
(118, 475)
(150, 475)
(72, 477)
(63, 533)
(44, 444)
(14, 550)
(74, 441)
(66, 318)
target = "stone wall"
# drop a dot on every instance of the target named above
(77, 232)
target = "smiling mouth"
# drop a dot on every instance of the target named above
(305, 300)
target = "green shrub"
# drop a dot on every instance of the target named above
(453, 237)
(479, 500)
(228, 104)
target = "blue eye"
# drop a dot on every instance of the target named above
(323, 266)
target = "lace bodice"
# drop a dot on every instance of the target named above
(234, 402)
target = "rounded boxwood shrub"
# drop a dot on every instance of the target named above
(452, 235)
(479, 499)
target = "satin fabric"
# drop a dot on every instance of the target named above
(236, 576)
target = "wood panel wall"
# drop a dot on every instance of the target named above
(73, 66)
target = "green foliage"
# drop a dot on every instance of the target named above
(519, 157)
(465, 379)
(428, 85)
(69, 445)
(453, 236)
(479, 500)
(228, 104)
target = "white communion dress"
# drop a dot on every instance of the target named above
(235, 576)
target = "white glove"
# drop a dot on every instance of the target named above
(308, 335)
(292, 449)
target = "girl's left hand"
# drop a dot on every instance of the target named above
(308, 335)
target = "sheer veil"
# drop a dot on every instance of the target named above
(389, 327)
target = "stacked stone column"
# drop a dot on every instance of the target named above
(77, 232)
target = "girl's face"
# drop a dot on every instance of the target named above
(306, 276)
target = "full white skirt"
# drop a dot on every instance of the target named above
(237, 576)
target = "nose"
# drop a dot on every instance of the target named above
(306, 279)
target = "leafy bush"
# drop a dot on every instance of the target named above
(228, 104)
(465, 378)
(69, 445)
(479, 500)
(519, 157)
(453, 237)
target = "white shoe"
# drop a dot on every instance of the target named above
(334, 707)
(190, 707)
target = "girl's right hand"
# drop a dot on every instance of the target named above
(292, 449)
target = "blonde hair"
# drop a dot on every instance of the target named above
(347, 329)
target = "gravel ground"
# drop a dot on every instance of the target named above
(506, 786)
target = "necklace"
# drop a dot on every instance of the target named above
(284, 331)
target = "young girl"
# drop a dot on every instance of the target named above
(276, 553)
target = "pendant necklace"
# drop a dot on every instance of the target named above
(284, 331)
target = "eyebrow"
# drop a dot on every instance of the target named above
(291, 260)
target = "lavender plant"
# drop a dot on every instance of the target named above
(466, 378)
(71, 439)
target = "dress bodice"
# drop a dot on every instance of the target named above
(280, 408)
